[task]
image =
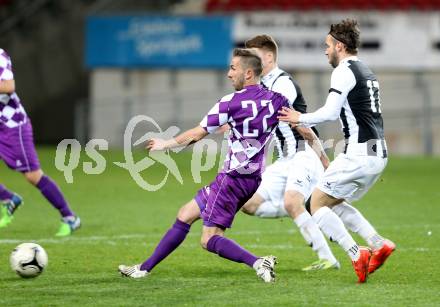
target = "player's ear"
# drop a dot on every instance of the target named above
(340, 46)
(249, 74)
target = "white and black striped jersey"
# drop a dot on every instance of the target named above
(287, 139)
(354, 97)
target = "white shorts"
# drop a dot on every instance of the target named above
(349, 177)
(301, 173)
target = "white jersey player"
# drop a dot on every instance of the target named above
(288, 182)
(354, 98)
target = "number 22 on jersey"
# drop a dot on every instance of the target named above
(253, 105)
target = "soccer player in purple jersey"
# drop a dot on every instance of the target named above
(250, 112)
(17, 150)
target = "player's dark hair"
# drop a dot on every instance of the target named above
(265, 42)
(347, 32)
(249, 59)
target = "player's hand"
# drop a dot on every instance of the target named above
(289, 115)
(156, 144)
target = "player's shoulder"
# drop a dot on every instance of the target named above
(231, 96)
(342, 69)
(343, 73)
(228, 97)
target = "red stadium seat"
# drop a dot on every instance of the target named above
(286, 5)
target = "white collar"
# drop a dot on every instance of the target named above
(350, 58)
(271, 75)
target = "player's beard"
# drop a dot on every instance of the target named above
(239, 83)
(333, 59)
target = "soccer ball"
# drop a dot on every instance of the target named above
(28, 260)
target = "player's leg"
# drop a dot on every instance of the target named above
(10, 202)
(267, 202)
(304, 171)
(227, 195)
(294, 204)
(252, 205)
(354, 220)
(332, 226)
(258, 206)
(372, 168)
(357, 223)
(18, 152)
(345, 178)
(214, 241)
(50, 190)
(187, 215)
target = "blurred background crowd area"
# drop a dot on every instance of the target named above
(83, 69)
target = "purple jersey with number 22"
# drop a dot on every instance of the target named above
(251, 114)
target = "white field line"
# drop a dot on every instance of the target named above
(152, 240)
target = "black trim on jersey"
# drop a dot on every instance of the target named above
(345, 129)
(334, 90)
(359, 98)
(299, 105)
(384, 151)
(282, 139)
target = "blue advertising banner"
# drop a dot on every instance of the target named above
(158, 41)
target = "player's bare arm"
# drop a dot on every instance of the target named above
(7, 86)
(222, 129)
(182, 140)
(314, 142)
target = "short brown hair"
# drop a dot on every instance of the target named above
(249, 59)
(265, 42)
(347, 32)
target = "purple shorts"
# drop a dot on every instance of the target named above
(220, 201)
(17, 148)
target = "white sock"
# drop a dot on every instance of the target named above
(314, 237)
(357, 223)
(269, 210)
(332, 226)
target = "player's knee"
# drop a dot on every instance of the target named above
(33, 177)
(250, 208)
(204, 241)
(188, 213)
(294, 203)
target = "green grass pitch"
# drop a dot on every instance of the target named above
(122, 224)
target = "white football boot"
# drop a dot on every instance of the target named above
(133, 271)
(265, 268)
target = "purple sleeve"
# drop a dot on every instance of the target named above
(217, 116)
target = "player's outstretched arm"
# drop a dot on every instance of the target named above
(314, 142)
(182, 140)
(7, 86)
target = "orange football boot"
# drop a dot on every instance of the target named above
(379, 256)
(361, 265)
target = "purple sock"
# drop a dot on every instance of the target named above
(228, 249)
(53, 194)
(5, 193)
(170, 241)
